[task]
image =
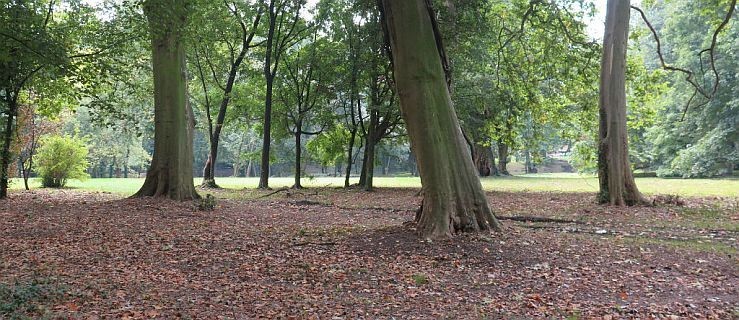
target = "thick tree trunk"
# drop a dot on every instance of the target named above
(453, 197)
(503, 158)
(482, 156)
(170, 173)
(617, 186)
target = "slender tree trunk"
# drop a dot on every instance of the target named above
(7, 140)
(502, 158)
(267, 140)
(298, 150)
(363, 170)
(369, 170)
(349, 153)
(27, 171)
(209, 171)
(369, 155)
(125, 163)
(170, 173)
(617, 185)
(453, 197)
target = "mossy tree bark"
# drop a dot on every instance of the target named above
(170, 174)
(453, 197)
(617, 186)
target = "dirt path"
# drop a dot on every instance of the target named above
(335, 254)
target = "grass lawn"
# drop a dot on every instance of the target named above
(563, 182)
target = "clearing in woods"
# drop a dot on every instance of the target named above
(327, 252)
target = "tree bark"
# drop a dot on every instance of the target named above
(453, 197)
(170, 174)
(482, 156)
(617, 185)
(7, 140)
(503, 158)
(349, 152)
(209, 170)
(298, 152)
(368, 162)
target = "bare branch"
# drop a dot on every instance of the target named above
(690, 76)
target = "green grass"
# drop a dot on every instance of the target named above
(563, 182)
(691, 244)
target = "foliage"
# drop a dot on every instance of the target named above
(29, 298)
(328, 147)
(208, 203)
(584, 156)
(61, 158)
(699, 140)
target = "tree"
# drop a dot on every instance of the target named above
(304, 93)
(382, 111)
(695, 132)
(453, 197)
(283, 32)
(31, 128)
(617, 185)
(61, 158)
(237, 55)
(27, 48)
(170, 173)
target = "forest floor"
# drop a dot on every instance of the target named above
(330, 253)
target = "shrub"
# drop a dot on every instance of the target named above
(61, 158)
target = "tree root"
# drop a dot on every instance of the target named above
(536, 219)
(273, 192)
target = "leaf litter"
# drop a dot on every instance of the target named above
(337, 254)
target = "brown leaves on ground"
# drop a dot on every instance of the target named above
(336, 254)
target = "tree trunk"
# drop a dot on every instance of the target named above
(369, 155)
(482, 156)
(297, 158)
(125, 162)
(453, 197)
(349, 152)
(503, 158)
(27, 171)
(209, 171)
(7, 140)
(617, 186)
(170, 173)
(363, 170)
(266, 139)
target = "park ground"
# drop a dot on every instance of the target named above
(328, 253)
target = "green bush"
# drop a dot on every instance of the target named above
(61, 158)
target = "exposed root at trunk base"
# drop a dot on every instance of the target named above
(444, 223)
(536, 219)
(210, 184)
